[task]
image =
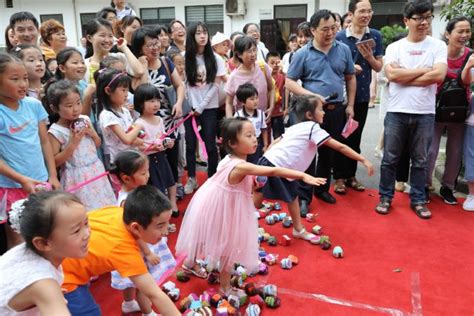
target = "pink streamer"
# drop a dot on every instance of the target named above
(168, 273)
(80, 185)
(201, 142)
(164, 135)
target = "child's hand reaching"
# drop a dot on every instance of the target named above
(312, 180)
(29, 185)
(152, 259)
(369, 166)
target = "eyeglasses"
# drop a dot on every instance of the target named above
(177, 28)
(420, 19)
(153, 45)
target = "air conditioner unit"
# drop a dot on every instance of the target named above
(235, 7)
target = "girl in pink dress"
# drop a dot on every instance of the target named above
(220, 225)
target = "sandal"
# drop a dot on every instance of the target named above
(200, 273)
(421, 211)
(355, 184)
(340, 187)
(304, 234)
(383, 208)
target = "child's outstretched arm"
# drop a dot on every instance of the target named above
(349, 152)
(147, 285)
(127, 138)
(26, 183)
(48, 155)
(47, 296)
(244, 169)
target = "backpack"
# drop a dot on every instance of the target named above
(452, 105)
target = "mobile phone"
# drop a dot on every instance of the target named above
(369, 41)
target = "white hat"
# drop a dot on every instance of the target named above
(219, 38)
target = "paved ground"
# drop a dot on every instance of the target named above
(370, 137)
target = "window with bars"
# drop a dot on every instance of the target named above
(85, 18)
(212, 15)
(46, 17)
(153, 16)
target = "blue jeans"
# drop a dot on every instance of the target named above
(416, 130)
(208, 122)
(81, 303)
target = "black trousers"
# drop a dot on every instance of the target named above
(345, 167)
(334, 121)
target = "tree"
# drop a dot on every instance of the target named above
(457, 8)
(390, 32)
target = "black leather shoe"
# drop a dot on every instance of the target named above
(326, 197)
(304, 209)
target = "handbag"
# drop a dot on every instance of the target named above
(452, 104)
(170, 91)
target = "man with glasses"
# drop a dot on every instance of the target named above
(324, 67)
(366, 47)
(414, 66)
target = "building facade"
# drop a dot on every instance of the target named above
(278, 18)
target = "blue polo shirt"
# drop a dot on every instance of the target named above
(364, 78)
(320, 72)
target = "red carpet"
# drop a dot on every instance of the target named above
(396, 264)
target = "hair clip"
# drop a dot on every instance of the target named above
(14, 216)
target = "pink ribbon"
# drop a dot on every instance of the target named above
(164, 135)
(196, 131)
(80, 185)
(201, 142)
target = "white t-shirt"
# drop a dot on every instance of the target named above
(285, 61)
(204, 96)
(298, 146)
(411, 99)
(122, 196)
(112, 143)
(262, 51)
(19, 268)
(258, 120)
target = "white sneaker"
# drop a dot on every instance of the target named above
(190, 186)
(130, 307)
(468, 204)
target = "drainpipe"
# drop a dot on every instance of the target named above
(78, 37)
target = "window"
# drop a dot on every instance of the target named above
(153, 16)
(57, 17)
(212, 15)
(290, 11)
(85, 18)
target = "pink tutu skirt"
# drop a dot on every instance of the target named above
(220, 225)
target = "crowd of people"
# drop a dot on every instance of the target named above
(95, 142)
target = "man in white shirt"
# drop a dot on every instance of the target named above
(414, 66)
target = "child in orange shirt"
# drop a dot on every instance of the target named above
(278, 128)
(113, 246)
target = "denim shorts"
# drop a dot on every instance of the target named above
(469, 153)
(80, 302)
